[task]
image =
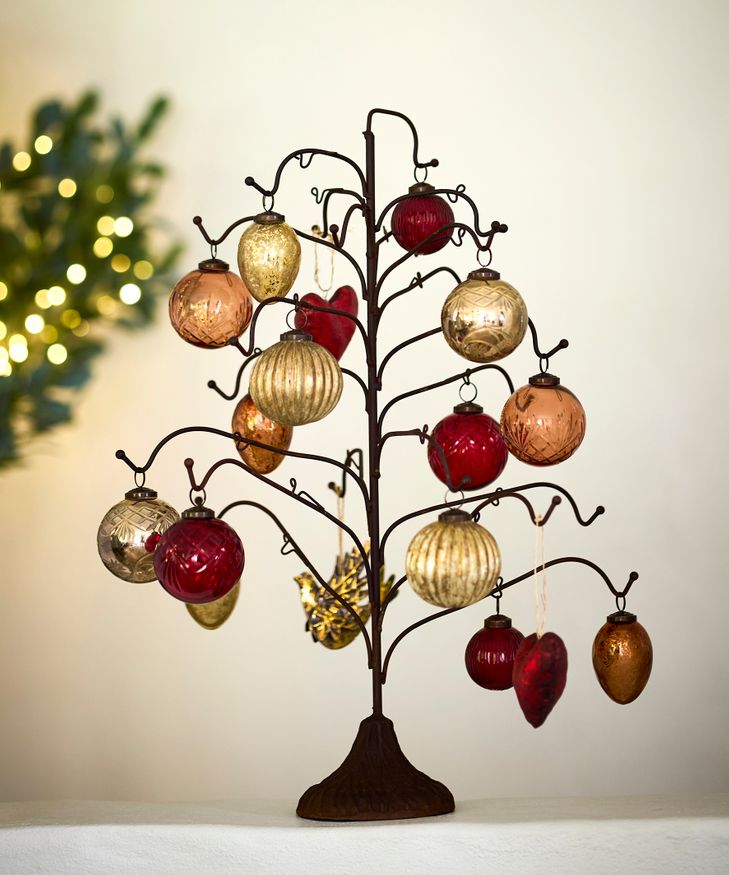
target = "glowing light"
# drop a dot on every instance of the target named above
(57, 354)
(67, 187)
(18, 348)
(57, 294)
(103, 247)
(120, 263)
(71, 318)
(6, 370)
(34, 323)
(82, 329)
(42, 300)
(123, 226)
(3, 356)
(106, 305)
(143, 270)
(3, 330)
(32, 239)
(3, 291)
(43, 144)
(21, 161)
(76, 273)
(49, 334)
(130, 293)
(104, 194)
(105, 226)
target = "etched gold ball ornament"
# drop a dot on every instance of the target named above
(453, 562)
(484, 318)
(269, 256)
(296, 381)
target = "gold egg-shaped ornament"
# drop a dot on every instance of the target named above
(296, 381)
(484, 318)
(622, 656)
(210, 306)
(212, 615)
(269, 256)
(249, 422)
(453, 562)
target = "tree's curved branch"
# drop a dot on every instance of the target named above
(417, 282)
(300, 155)
(403, 345)
(234, 394)
(453, 195)
(416, 161)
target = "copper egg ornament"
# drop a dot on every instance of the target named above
(484, 318)
(622, 656)
(250, 422)
(269, 256)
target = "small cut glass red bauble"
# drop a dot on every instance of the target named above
(490, 653)
(415, 218)
(200, 558)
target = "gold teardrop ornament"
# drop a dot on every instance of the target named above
(328, 621)
(213, 614)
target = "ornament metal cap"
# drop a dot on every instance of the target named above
(269, 218)
(421, 188)
(297, 334)
(198, 512)
(485, 274)
(140, 493)
(468, 407)
(454, 515)
(622, 617)
(213, 265)
(497, 621)
(544, 380)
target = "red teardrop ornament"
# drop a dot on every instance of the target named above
(540, 675)
(329, 330)
(490, 653)
(416, 218)
(474, 450)
(200, 558)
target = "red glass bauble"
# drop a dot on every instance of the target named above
(327, 329)
(200, 558)
(540, 675)
(490, 653)
(416, 218)
(473, 447)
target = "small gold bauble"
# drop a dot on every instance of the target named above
(484, 318)
(296, 381)
(212, 615)
(453, 562)
(269, 256)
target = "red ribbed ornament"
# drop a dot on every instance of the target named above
(200, 558)
(474, 450)
(490, 653)
(416, 218)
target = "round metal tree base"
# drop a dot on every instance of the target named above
(375, 782)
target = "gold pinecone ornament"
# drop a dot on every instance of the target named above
(453, 562)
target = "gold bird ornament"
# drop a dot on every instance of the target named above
(328, 621)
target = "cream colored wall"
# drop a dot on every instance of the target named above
(598, 131)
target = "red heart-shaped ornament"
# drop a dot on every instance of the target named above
(540, 675)
(329, 330)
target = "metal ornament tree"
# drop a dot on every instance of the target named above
(375, 781)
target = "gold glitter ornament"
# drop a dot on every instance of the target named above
(269, 256)
(296, 381)
(329, 622)
(212, 615)
(484, 318)
(453, 562)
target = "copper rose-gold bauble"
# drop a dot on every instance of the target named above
(269, 256)
(543, 423)
(249, 422)
(484, 318)
(210, 306)
(453, 562)
(622, 656)
(296, 381)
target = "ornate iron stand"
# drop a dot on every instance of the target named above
(376, 781)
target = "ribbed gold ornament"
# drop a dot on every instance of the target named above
(484, 318)
(296, 381)
(269, 256)
(453, 562)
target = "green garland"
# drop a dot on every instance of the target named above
(78, 252)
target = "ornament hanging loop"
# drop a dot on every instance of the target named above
(293, 313)
(317, 232)
(467, 383)
(498, 593)
(543, 364)
(213, 251)
(620, 603)
(447, 501)
(199, 499)
(140, 478)
(480, 252)
(540, 577)
(267, 201)
(425, 174)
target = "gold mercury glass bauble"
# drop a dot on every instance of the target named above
(296, 380)
(453, 562)
(210, 306)
(484, 318)
(130, 531)
(269, 256)
(212, 615)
